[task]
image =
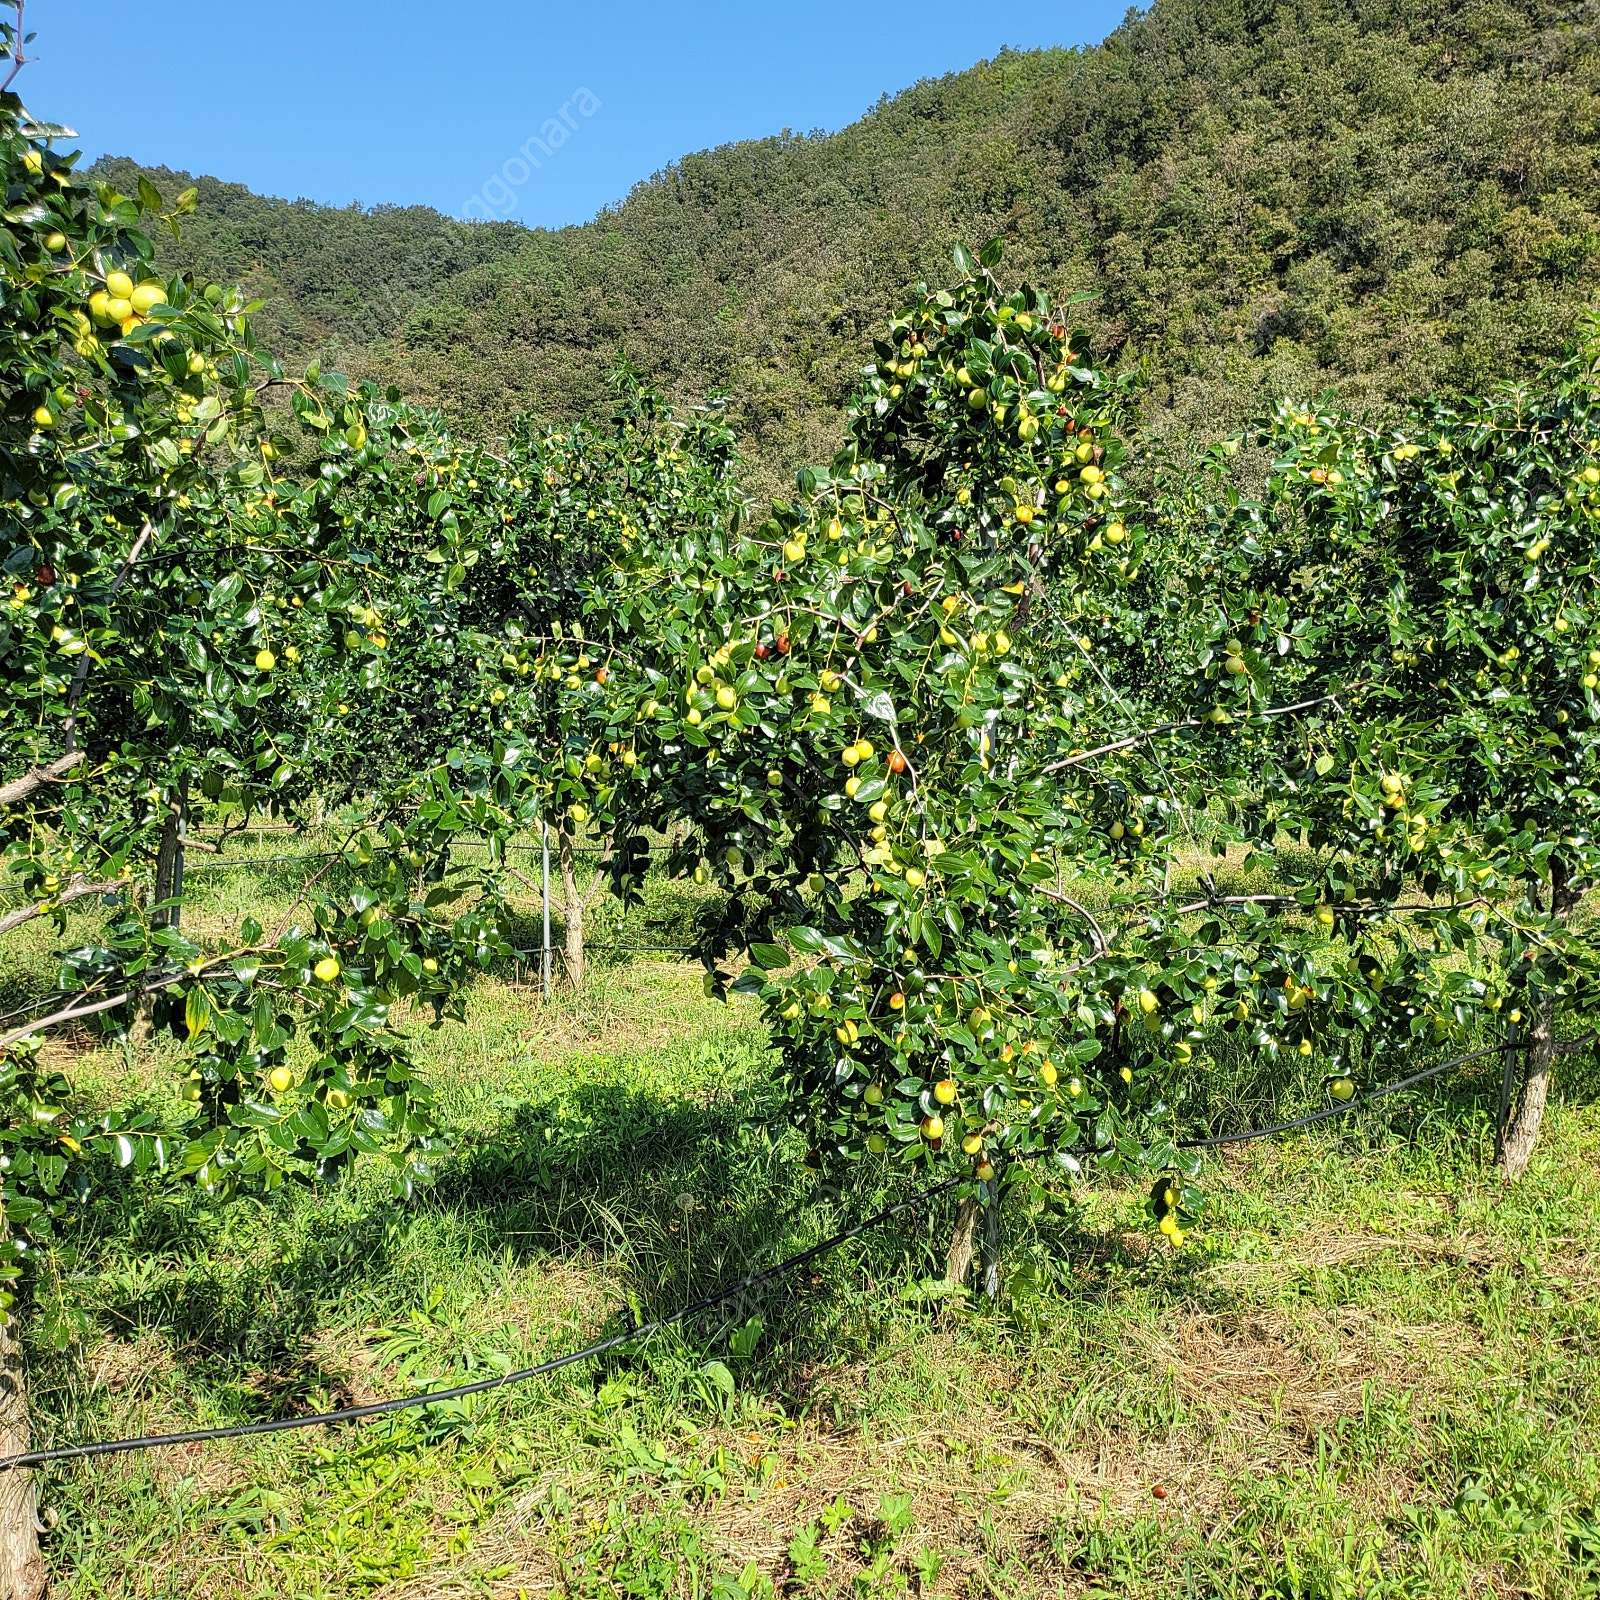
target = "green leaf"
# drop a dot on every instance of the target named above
(879, 705)
(196, 1012)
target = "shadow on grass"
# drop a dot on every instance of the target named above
(669, 1196)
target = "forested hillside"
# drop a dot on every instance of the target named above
(1382, 197)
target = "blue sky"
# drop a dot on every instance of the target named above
(402, 102)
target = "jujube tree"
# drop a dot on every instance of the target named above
(184, 633)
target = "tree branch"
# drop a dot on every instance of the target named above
(1102, 947)
(81, 676)
(18, 60)
(1191, 722)
(77, 889)
(73, 1012)
(19, 789)
(523, 878)
(309, 884)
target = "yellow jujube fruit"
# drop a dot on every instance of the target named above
(281, 1078)
(148, 295)
(265, 661)
(119, 285)
(327, 969)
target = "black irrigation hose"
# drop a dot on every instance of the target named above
(379, 1408)
(104, 1447)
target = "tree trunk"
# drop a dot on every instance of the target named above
(169, 859)
(168, 886)
(1522, 1132)
(21, 1562)
(573, 907)
(959, 1262)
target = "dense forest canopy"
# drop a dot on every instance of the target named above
(1268, 196)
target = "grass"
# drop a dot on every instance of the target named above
(1374, 1371)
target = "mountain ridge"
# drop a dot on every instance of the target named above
(1266, 196)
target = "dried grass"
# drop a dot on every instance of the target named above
(1257, 1389)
